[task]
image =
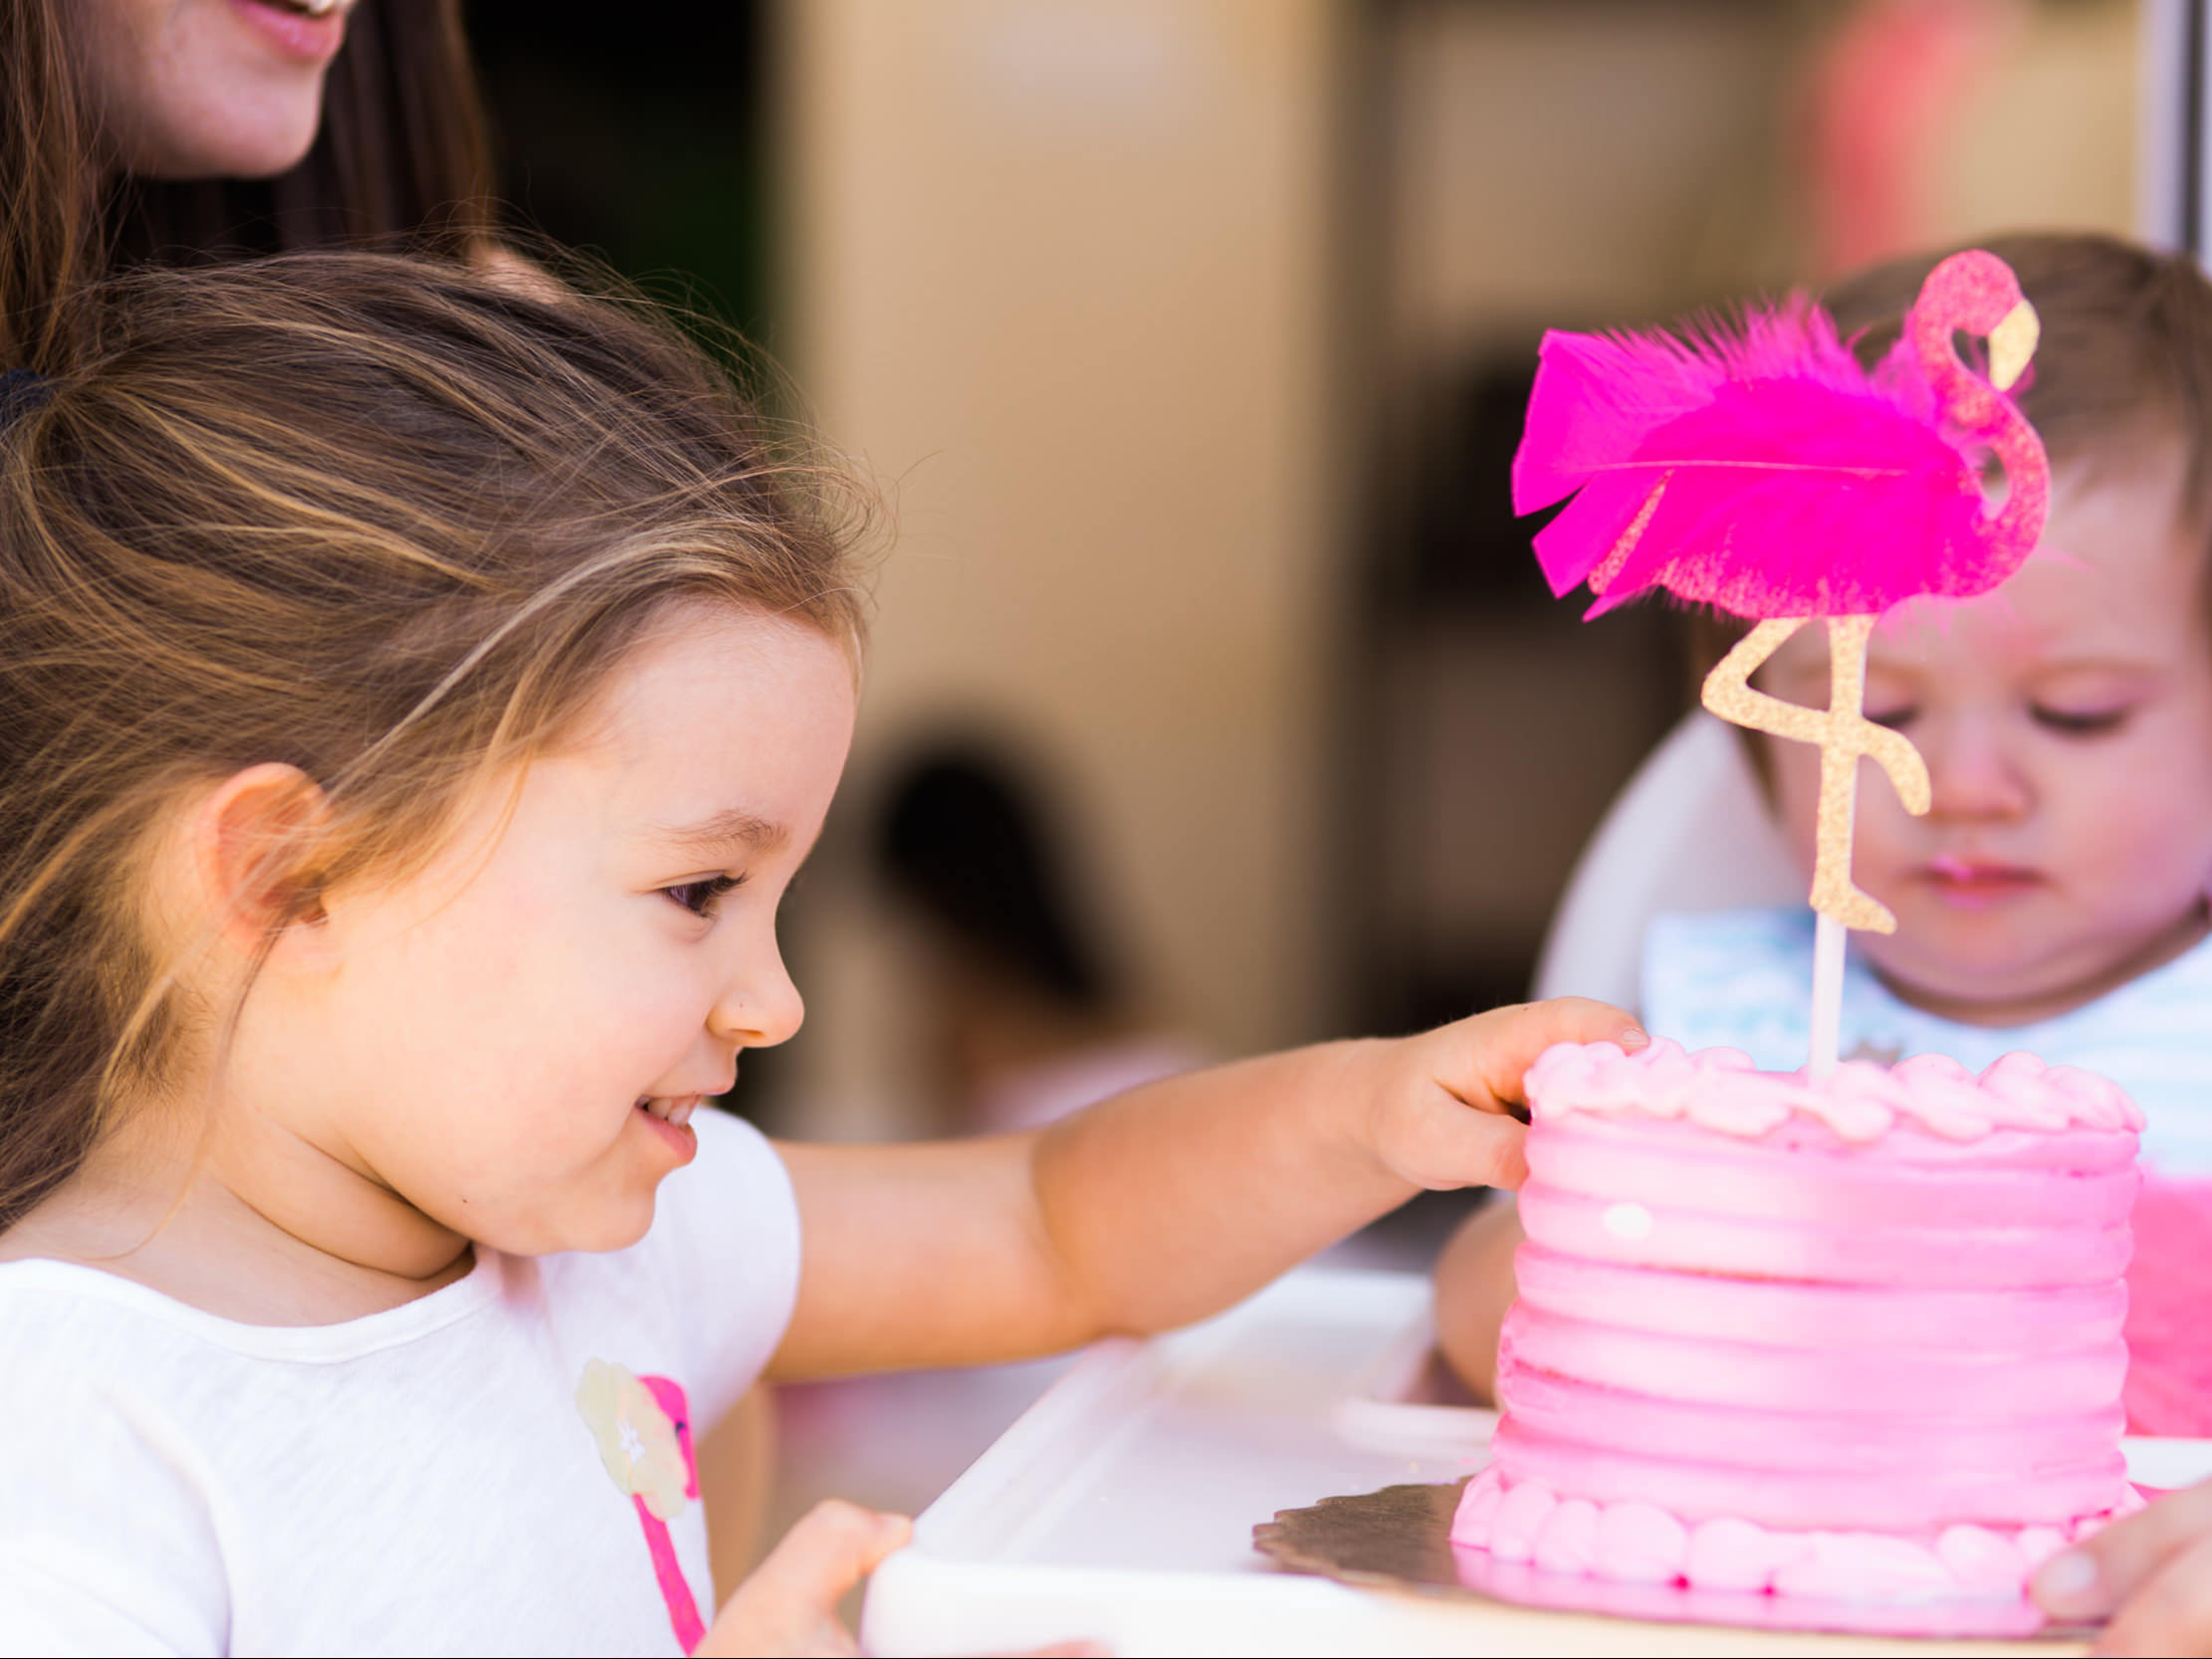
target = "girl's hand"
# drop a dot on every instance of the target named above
(789, 1606)
(1423, 1128)
(2151, 1575)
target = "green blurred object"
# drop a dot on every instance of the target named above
(641, 137)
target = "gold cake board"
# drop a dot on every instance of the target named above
(1396, 1542)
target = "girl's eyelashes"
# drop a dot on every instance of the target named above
(1904, 715)
(2079, 722)
(703, 897)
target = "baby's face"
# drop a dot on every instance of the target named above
(2066, 723)
(503, 1040)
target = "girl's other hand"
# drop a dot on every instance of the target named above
(788, 1608)
(2150, 1575)
(1425, 1133)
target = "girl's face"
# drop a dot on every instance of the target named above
(208, 89)
(512, 1042)
(2066, 723)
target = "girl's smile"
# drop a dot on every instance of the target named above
(671, 1120)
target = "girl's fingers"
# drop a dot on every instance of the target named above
(1423, 1131)
(2092, 1580)
(789, 1606)
(836, 1545)
(1494, 1050)
(1473, 1150)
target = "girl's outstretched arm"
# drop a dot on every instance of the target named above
(1157, 1207)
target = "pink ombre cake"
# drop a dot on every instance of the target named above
(1854, 1340)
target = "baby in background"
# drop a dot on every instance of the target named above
(2054, 897)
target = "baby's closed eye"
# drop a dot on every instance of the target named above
(2082, 721)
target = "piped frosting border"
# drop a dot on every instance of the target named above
(1719, 1089)
(1642, 1543)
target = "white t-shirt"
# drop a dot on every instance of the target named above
(424, 1480)
(1743, 980)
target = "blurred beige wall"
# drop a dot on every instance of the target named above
(1057, 279)
(2046, 136)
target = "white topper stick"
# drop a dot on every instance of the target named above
(1828, 936)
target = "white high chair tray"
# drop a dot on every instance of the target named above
(1120, 1508)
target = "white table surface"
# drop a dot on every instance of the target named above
(1120, 1508)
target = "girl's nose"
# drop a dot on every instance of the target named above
(1973, 777)
(761, 1007)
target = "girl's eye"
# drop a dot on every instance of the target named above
(701, 898)
(2091, 723)
(1904, 715)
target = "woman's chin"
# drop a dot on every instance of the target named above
(256, 139)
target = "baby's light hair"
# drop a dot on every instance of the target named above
(390, 521)
(2125, 351)
(2123, 361)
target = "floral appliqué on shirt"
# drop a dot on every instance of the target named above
(642, 1425)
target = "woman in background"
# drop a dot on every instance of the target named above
(1029, 1015)
(177, 130)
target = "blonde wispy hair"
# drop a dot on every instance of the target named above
(387, 521)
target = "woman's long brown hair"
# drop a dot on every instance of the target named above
(401, 157)
(390, 522)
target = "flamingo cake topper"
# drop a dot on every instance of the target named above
(1760, 470)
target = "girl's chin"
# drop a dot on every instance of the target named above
(606, 1227)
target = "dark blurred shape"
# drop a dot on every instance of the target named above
(644, 141)
(962, 843)
(1491, 724)
(1466, 548)
(1027, 1014)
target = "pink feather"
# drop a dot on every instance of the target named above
(1759, 469)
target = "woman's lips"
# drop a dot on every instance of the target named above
(1975, 883)
(313, 39)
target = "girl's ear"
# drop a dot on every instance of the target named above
(254, 843)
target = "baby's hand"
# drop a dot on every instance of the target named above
(1422, 1128)
(2151, 1575)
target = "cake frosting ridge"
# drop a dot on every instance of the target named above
(1859, 1337)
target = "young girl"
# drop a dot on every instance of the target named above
(418, 695)
(2053, 898)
